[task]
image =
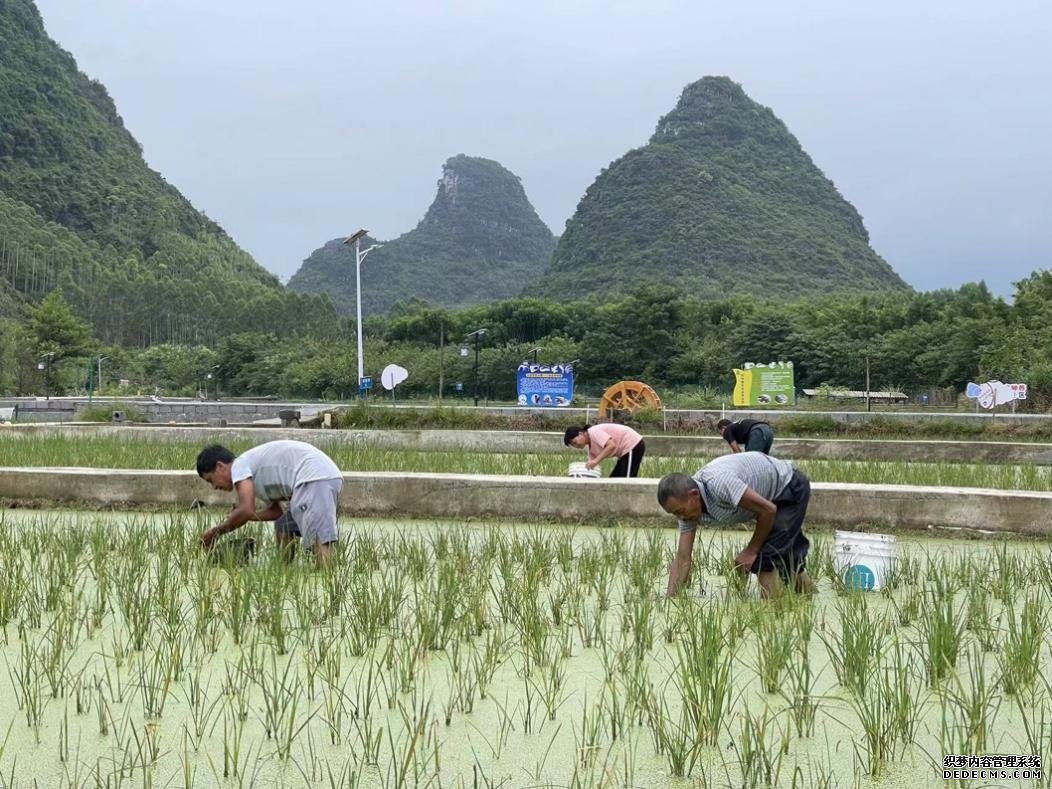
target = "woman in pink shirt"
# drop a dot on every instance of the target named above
(608, 440)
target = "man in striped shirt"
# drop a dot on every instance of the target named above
(735, 489)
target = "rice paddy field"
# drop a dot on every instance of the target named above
(502, 655)
(111, 452)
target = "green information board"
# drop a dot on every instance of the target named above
(765, 385)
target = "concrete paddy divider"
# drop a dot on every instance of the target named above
(531, 499)
(540, 443)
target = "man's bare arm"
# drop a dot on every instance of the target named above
(679, 572)
(243, 512)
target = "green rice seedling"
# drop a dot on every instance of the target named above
(800, 695)
(237, 607)
(287, 727)
(350, 777)
(28, 684)
(1036, 719)
(588, 736)
(942, 628)
(674, 736)
(591, 626)
(820, 557)
(976, 702)
(703, 673)
(505, 725)
(558, 600)
(155, 681)
(737, 581)
(334, 706)
(527, 712)
(489, 658)
(202, 711)
(279, 691)
(550, 686)
(761, 747)
(1020, 655)
(236, 688)
(905, 688)
(413, 752)
(873, 707)
(603, 585)
(11, 572)
(613, 709)
(1007, 577)
(776, 638)
(55, 653)
(979, 618)
(370, 739)
(855, 650)
(639, 617)
(907, 607)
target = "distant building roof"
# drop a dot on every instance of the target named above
(848, 394)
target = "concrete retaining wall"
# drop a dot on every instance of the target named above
(509, 442)
(160, 412)
(243, 411)
(546, 498)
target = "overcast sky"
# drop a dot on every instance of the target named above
(291, 124)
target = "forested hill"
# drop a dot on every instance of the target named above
(80, 211)
(480, 241)
(722, 200)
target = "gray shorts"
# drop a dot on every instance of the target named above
(311, 514)
(760, 439)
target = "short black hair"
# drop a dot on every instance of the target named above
(674, 486)
(210, 456)
(573, 432)
(722, 424)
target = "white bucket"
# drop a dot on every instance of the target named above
(864, 561)
(581, 471)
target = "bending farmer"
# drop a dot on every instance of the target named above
(747, 435)
(736, 489)
(279, 471)
(608, 440)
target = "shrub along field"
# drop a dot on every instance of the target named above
(113, 452)
(494, 655)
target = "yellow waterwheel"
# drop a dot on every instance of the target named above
(630, 396)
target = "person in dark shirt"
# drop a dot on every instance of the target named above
(747, 435)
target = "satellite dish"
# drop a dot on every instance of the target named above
(392, 376)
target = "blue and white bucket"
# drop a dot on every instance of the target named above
(864, 561)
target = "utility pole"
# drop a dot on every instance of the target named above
(477, 334)
(867, 384)
(441, 357)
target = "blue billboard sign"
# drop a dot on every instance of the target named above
(545, 385)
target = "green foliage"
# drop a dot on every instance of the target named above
(56, 330)
(104, 413)
(82, 213)
(480, 240)
(721, 200)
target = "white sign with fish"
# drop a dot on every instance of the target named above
(994, 393)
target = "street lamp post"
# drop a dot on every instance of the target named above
(534, 352)
(359, 256)
(477, 334)
(46, 366)
(209, 378)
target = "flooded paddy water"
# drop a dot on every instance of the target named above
(503, 654)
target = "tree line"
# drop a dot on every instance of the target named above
(669, 338)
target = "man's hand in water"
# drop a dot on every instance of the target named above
(209, 538)
(745, 559)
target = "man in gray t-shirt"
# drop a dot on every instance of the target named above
(735, 489)
(293, 472)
